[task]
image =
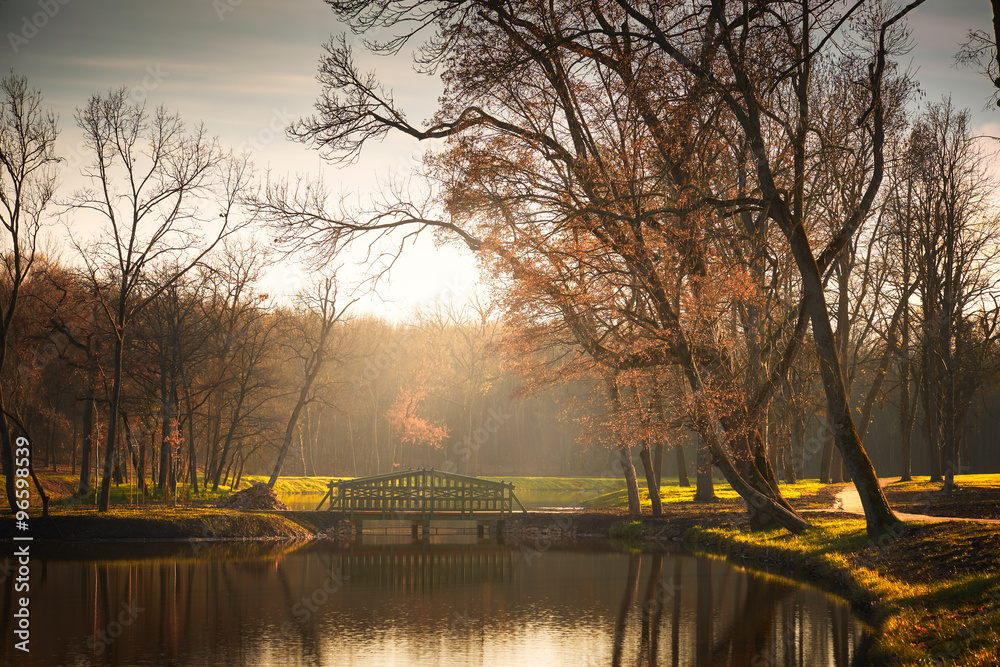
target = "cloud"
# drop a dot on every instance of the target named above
(134, 64)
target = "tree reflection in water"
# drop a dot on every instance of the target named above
(739, 619)
(414, 602)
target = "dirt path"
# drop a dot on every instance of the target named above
(849, 501)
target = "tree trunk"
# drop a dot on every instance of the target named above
(109, 452)
(192, 453)
(7, 455)
(836, 468)
(763, 462)
(704, 485)
(212, 466)
(631, 483)
(905, 424)
(905, 427)
(302, 450)
(50, 459)
(682, 473)
(658, 463)
(826, 461)
(135, 449)
(166, 448)
(948, 359)
(651, 484)
(879, 516)
(311, 443)
(223, 456)
(797, 444)
(658, 408)
(38, 486)
(931, 425)
(88, 431)
(764, 511)
(289, 432)
(239, 473)
(76, 433)
(624, 451)
(788, 466)
(116, 474)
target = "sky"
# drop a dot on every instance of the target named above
(246, 68)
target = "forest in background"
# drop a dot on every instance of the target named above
(692, 233)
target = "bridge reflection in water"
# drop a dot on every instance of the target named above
(425, 564)
(393, 601)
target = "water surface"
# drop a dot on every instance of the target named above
(396, 601)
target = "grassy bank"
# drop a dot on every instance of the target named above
(293, 485)
(596, 485)
(977, 496)
(670, 492)
(932, 591)
(167, 523)
(62, 487)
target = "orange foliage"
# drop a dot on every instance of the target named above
(410, 427)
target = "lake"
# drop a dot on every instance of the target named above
(390, 600)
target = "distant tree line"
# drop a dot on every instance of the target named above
(722, 224)
(214, 367)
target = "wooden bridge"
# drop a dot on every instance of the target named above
(413, 498)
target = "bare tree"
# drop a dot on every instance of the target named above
(156, 188)
(27, 181)
(242, 350)
(955, 228)
(312, 345)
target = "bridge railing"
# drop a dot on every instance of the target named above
(424, 492)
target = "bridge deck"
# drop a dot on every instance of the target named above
(422, 494)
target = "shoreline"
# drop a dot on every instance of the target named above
(837, 559)
(221, 524)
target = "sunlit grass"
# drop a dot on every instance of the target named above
(128, 494)
(670, 492)
(922, 620)
(292, 485)
(591, 484)
(183, 522)
(990, 481)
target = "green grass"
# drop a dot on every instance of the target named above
(629, 530)
(84, 522)
(946, 614)
(671, 493)
(292, 485)
(129, 495)
(66, 483)
(593, 484)
(987, 481)
(608, 492)
(126, 495)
